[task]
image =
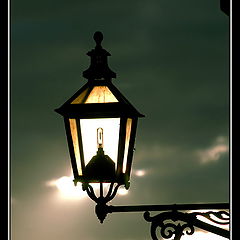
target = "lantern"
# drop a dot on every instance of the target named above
(100, 125)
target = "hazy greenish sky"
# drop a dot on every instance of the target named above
(172, 62)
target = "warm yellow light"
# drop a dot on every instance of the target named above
(74, 134)
(101, 94)
(100, 137)
(80, 99)
(128, 131)
(110, 128)
(67, 189)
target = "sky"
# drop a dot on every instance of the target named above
(172, 63)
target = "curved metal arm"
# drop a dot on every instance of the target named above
(171, 222)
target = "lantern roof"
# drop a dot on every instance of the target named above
(98, 98)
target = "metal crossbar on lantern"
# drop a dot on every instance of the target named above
(100, 125)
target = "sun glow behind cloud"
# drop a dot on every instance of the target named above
(68, 191)
(140, 173)
(66, 188)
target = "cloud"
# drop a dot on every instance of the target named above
(214, 152)
(67, 190)
(139, 172)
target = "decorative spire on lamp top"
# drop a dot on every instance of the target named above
(98, 37)
(98, 68)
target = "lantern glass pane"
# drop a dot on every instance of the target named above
(127, 139)
(89, 130)
(101, 94)
(80, 98)
(74, 134)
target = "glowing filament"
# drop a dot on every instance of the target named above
(100, 138)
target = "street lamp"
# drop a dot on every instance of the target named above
(101, 126)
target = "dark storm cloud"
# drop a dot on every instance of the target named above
(171, 60)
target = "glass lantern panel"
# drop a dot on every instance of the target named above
(74, 134)
(127, 139)
(101, 94)
(80, 98)
(110, 137)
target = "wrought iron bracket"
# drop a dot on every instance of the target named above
(173, 220)
(175, 223)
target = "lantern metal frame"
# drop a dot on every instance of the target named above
(100, 75)
(173, 220)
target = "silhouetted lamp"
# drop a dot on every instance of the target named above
(100, 125)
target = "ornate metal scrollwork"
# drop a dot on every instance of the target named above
(167, 228)
(220, 217)
(178, 223)
(173, 221)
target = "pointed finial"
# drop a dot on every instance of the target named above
(98, 37)
(98, 68)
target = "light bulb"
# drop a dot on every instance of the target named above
(100, 138)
